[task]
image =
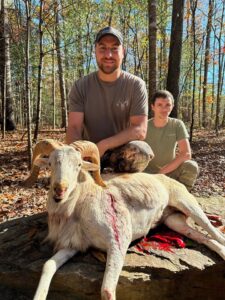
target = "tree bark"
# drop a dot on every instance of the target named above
(39, 85)
(60, 69)
(152, 48)
(206, 63)
(27, 79)
(193, 9)
(6, 81)
(173, 75)
(220, 64)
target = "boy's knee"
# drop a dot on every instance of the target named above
(191, 167)
(189, 173)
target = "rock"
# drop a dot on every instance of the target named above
(190, 273)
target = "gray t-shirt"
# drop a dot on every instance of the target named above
(107, 106)
(163, 141)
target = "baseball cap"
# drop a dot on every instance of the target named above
(111, 31)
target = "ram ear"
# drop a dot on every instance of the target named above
(88, 166)
(41, 162)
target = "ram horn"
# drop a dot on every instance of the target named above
(42, 148)
(90, 150)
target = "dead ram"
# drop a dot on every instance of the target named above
(85, 212)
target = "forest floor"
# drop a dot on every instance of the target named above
(18, 201)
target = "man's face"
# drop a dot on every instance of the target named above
(162, 107)
(109, 54)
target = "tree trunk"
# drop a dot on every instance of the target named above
(162, 66)
(199, 90)
(213, 84)
(219, 87)
(60, 69)
(27, 79)
(2, 69)
(53, 88)
(6, 85)
(111, 13)
(206, 63)
(152, 48)
(193, 9)
(39, 85)
(173, 75)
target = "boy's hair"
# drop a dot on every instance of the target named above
(162, 94)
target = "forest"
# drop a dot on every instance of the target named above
(46, 45)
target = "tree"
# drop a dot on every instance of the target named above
(60, 67)
(27, 77)
(206, 62)
(152, 47)
(5, 64)
(194, 4)
(173, 74)
(220, 68)
(39, 83)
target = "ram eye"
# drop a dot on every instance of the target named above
(79, 164)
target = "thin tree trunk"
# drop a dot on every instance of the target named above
(223, 71)
(60, 70)
(213, 84)
(4, 106)
(173, 75)
(199, 91)
(163, 45)
(152, 48)
(2, 68)
(194, 4)
(111, 13)
(39, 86)
(53, 88)
(206, 62)
(27, 79)
(6, 85)
(219, 87)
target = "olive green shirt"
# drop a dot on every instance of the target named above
(108, 106)
(163, 141)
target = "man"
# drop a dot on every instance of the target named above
(109, 107)
(164, 135)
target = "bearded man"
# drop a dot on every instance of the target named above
(110, 108)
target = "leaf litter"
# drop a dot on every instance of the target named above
(17, 201)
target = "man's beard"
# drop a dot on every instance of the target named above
(108, 69)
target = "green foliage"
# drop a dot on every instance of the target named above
(80, 20)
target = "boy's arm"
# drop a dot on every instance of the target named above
(184, 154)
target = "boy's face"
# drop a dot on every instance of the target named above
(162, 108)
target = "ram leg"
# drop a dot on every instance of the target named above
(191, 208)
(177, 222)
(49, 269)
(114, 265)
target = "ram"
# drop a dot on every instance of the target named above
(84, 211)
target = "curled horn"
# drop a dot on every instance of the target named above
(42, 148)
(90, 150)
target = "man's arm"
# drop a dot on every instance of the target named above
(183, 155)
(75, 127)
(136, 131)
